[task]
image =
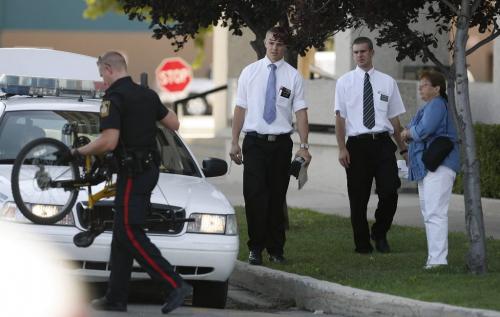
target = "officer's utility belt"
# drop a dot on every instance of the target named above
(136, 161)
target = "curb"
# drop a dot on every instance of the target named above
(314, 295)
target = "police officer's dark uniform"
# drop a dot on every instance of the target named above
(134, 110)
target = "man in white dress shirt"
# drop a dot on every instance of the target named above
(367, 106)
(270, 91)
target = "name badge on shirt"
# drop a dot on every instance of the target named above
(285, 92)
(105, 108)
(384, 97)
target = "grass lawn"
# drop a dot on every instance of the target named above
(321, 246)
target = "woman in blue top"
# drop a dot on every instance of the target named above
(434, 188)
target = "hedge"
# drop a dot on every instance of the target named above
(488, 151)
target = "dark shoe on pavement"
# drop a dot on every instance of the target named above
(276, 258)
(176, 297)
(255, 258)
(382, 245)
(104, 304)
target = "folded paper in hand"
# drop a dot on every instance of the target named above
(302, 179)
(402, 169)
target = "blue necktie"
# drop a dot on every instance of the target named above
(368, 110)
(270, 106)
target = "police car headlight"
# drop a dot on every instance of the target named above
(215, 224)
(10, 212)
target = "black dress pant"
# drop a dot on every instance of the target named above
(132, 202)
(265, 183)
(372, 159)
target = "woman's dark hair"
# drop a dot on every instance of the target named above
(436, 79)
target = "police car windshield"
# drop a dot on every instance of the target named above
(17, 128)
(175, 158)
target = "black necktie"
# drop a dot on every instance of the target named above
(368, 110)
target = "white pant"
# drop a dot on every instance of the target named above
(435, 192)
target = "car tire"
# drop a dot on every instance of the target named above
(210, 294)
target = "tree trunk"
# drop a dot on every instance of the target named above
(476, 257)
(291, 57)
(258, 45)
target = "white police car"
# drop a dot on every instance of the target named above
(36, 101)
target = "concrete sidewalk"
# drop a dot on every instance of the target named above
(326, 192)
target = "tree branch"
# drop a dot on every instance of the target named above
(490, 38)
(451, 6)
(434, 59)
(322, 7)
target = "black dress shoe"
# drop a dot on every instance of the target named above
(104, 304)
(277, 258)
(382, 245)
(176, 297)
(255, 258)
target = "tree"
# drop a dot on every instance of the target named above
(180, 21)
(456, 18)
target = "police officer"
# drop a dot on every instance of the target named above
(129, 113)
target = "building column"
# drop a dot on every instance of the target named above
(343, 54)
(219, 77)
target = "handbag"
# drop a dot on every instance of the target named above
(438, 150)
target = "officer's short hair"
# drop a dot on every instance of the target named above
(363, 40)
(113, 59)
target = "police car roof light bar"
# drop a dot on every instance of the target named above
(37, 86)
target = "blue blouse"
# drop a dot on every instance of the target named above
(430, 121)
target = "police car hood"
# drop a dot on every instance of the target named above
(194, 194)
(5, 191)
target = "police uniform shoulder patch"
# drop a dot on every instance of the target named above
(105, 108)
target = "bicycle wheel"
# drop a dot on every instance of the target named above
(37, 166)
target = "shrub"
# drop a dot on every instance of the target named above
(488, 152)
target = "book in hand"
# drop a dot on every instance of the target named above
(298, 168)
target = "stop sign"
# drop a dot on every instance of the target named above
(173, 74)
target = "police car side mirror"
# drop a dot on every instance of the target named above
(213, 167)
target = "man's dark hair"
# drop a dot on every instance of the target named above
(363, 40)
(279, 33)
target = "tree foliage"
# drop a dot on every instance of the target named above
(398, 24)
(310, 22)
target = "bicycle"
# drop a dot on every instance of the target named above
(43, 177)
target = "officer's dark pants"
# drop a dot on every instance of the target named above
(372, 159)
(130, 242)
(265, 183)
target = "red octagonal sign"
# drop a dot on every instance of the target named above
(173, 74)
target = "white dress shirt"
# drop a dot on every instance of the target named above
(349, 101)
(251, 96)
